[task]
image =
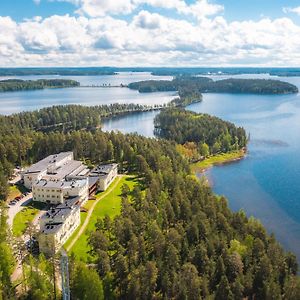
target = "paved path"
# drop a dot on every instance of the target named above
(86, 221)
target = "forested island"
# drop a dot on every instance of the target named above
(10, 85)
(207, 85)
(173, 239)
(199, 135)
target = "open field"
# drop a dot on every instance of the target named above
(110, 205)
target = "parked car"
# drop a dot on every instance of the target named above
(12, 202)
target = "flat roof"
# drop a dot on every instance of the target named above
(62, 171)
(43, 164)
(103, 169)
(61, 211)
(60, 184)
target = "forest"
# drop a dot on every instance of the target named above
(10, 85)
(56, 71)
(207, 85)
(199, 135)
(157, 71)
(174, 238)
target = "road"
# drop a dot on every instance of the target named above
(14, 209)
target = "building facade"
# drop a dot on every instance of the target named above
(105, 174)
(56, 192)
(57, 225)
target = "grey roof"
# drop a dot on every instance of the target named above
(69, 203)
(60, 184)
(43, 164)
(103, 169)
(67, 168)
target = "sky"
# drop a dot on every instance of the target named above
(124, 33)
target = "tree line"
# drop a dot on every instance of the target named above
(10, 85)
(187, 84)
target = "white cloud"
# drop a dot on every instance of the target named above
(201, 9)
(37, 2)
(149, 39)
(295, 10)
(98, 8)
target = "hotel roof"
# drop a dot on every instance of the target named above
(60, 184)
(43, 164)
(103, 170)
(62, 211)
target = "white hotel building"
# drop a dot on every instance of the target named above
(61, 181)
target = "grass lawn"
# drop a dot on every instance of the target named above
(15, 191)
(110, 205)
(218, 159)
(24, 216)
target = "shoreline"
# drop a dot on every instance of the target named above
(218, 160)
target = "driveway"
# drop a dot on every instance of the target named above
(14, 209)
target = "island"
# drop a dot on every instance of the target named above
(200, 84)
(10, 85)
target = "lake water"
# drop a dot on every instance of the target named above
(266, 184)
(13, 102)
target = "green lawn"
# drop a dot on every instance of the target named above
(24, 216)
(110, 205)
(217, 160)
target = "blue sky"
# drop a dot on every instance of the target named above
(150, 32)
(234, 9)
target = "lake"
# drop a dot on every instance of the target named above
(14, 102)
(266, 184)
